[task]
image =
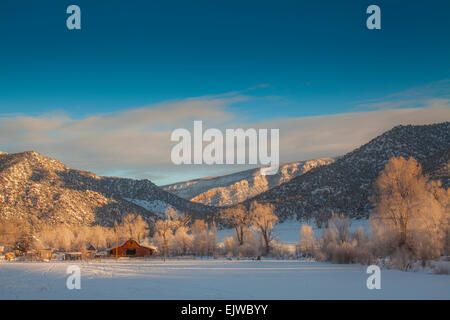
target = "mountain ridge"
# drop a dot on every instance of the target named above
(234, 188)
(345, 186)
(36, 187)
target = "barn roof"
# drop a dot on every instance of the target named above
(133, 241)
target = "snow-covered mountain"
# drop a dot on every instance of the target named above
(345, 186)
(238, 187)
(38, 188)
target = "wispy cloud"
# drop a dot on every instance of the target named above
(433, 94)
(134, 139)
(136, 142)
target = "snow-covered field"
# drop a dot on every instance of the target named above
(213, 279)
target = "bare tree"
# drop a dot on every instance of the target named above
(263, 218)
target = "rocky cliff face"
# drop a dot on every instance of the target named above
(238, 187)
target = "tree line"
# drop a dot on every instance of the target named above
(174, 234)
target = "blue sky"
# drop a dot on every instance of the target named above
(293, 58)
(317, 55)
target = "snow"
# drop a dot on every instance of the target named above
(321, 190)
(213, 279)
(156, 206)
(237, 187)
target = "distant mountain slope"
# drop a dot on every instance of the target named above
(237, 187)
(345, 186)
(38, 188)
(438, 167)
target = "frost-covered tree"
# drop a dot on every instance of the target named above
(16, 234)
(340, 225)
(100, 236)
(164, 229)
(399, 191)
(239, 219)
(307, 245)
(182, 241)
(252, 246)
(132, 227)
(339, 245)
(263, 218)
(411, 212)
(204, 238)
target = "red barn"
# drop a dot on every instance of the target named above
(132, 249)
